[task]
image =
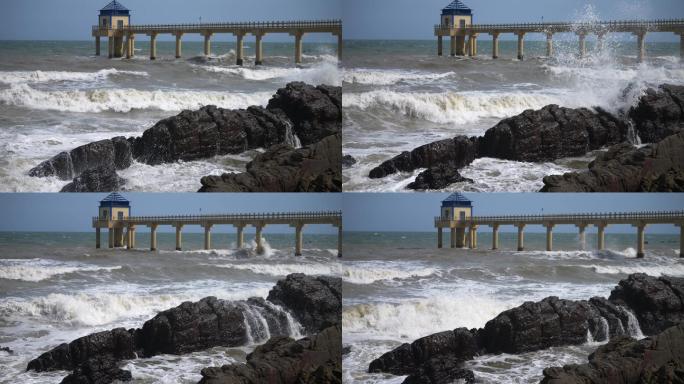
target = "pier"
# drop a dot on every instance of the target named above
(457, 24)
(463, 230)
(122, 231)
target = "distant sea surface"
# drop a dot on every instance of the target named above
(406, 288)
(56, 95)
(400, 94)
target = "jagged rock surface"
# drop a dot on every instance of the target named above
(101, 179)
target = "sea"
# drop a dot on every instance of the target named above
(418, 290)
(57, 95)
(399, 95)
(56, 287)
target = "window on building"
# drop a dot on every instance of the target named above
(462, 23)
(462, 216)
(120, 216)
(104, 22)
(104, 214)
(119, 24)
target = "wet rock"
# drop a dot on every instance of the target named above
(657, 167)
(7, 349)
(659, 113)
(438, 177)
(101, 179)
(442, 370)
(315, 301)
(348, 161)
(99, 370)
(657, 359)
(281, 360)
(314, 168)
(346, 350)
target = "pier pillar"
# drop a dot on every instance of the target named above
(681, 239)
(521, 236)
(582, 44)
(460, 237)
(259, 49)
(153, 237)
(339, 240)
(339, 46)
(179, 239)
(440, 43)
(132, 45)
(472, 236)
(549, 236)
(582, 235)
(128, 47)
(153, 46)
(472, 45)
(521, 45)
(178, 35)
(641, 46)
(259, 245)
(110, 46)
(298, 239)
(640, 240)
(549, 44)
(601, 236)
(97, 238)
(118, 46)
(681, 46)
(97, 45)
(452, 237)
(239, 48)
(240, 235)
(119, 238)
(298, 47)
(461, 45)
(495, 236)
(131, 243)
(207, 236)
(600, 39)
(453, 45)
(440, 233)
(110, 237)
(495, 45)
(128, 238)
(207, 43)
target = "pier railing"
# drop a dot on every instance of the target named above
(272, 26)
(276, 217)
(610, 217)
(663, 25)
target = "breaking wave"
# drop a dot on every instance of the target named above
(323, 73)
(41, 269)
(390, 76)
(18, 77)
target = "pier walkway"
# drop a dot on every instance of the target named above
(296, 220)
(639, 220)
(464, 38)
(118, 47)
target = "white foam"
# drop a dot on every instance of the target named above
(43, 269)
(647, 268)
(17, 77)
(125, 100)
(390, 76)
(320, 73)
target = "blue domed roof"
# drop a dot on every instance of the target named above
(114, 200)
(456, 200)
(456, 7)
(114, 9)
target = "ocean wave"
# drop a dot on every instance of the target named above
(649, 269)
(17, 77)
(322, 73)
(389, 76)
(42, 269)
(448, 107)
(125, 100)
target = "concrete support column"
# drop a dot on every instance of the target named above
(128, 47)
(440, 44)
(681, 240)
(119, 240)
(601, 236)
(339, 240)
(179, 238)
(132, 229)
(469, 238)
(240, 235)
(259, 245)
(132, 45)
(179, 35)
(298, 239)
(472, 236)
(298, 47)
(118, 46)
(97, 238)
(521, 45)
(461, 45)
(549, 44)
(460, 237)
(339, 46)
(641, 46)
(127, 238)
(110, 237)
(521, 236)
(453, 45)
(495, 46)
(259, 49)
(582, 235)
(495, 236)
(440, 233)
(452, 237)
(207, 236)
(549, 236)
(582, 44)
(239, 48)
(473, 45)
(207, 43)
(110, 46)
(153, 237)
(97, 45)
(153, 46)
(681, 46)
(640, 240)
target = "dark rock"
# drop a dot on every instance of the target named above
(457, 152)
(659, 113)
(311, 360)
(657, 167)
(657, 359)
(99, 370)
(348, 161)
(316, 302)
(102, 179)
(442, 370)
(314, 168)
(346, 350)
(438, 177)
(6, 349)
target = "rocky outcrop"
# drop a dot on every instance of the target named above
(296, 113)
(282, 168)
(312, 360)
(101, 179)
(555, 132)
(656, 359)
(656, 303)
(195, 326)
(316, 302)
(348, 161)
(657, 167)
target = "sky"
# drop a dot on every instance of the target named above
(415, 212)
(410, 19)
(36, 19)
(73, 212)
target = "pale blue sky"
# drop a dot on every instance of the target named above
(73, 212)
(73, 19)
(410, 19)
(415, 212)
